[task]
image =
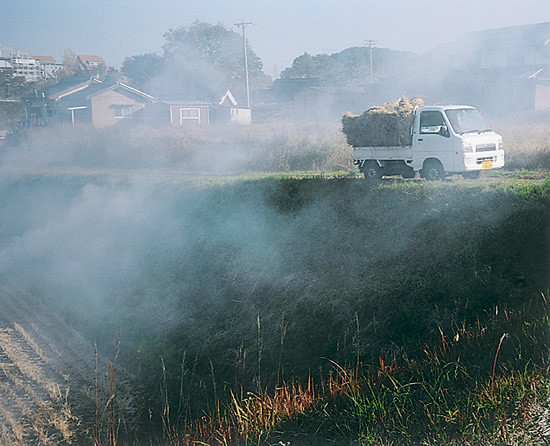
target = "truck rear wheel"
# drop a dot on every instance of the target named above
(433, 171)
(408, 172)
(372, 171)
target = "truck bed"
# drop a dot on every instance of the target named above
(383, 153)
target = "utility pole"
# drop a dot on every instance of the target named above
(370, 44)
(243, 25)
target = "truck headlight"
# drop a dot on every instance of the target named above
(500, 145)
(467, 147)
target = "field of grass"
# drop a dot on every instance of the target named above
(280, 147)
(310, 308)
(526, 144)
(266, 147)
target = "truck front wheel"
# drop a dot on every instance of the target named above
(372, 171)
(433, 171)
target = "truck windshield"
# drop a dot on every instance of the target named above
(466, 120)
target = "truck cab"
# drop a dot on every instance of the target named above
(445, 140)
(453, 139)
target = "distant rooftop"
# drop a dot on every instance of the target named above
(521, 35)
(44, 59)
(89, 62)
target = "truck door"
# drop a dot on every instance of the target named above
(433, 139)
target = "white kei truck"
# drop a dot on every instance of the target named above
(445, 140)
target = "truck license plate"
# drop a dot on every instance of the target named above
(487, 164)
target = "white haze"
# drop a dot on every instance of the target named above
(282, 30)
(87, 245)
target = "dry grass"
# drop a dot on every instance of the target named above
(526, 144)
(254, 415)
(383, 125)
(24, 362)
(450, 397)
(30, 341)
(274, 147)
(263, 147)
(35, 409)
(12, 430)
(63, 419)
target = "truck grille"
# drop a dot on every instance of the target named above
(485, 147)
(485, 158)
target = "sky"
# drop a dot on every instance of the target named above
(281, 29)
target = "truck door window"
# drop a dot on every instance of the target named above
(432, 122)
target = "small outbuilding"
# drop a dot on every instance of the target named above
(229, 111)
(198, 113)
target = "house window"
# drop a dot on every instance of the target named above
(190, 114)
(123, 111)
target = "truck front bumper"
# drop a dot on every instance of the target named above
(483, 160)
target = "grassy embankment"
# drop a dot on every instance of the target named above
(393, 299)
(407, 311)
(409, 289)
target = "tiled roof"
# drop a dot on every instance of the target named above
(90, 62)
(44, 59)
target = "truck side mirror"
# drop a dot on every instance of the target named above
(444, 131)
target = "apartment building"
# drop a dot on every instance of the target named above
(32, 68)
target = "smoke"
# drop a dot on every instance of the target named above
(183, 265)
(496, 71)
(81, 246)
(186, 76)
(218, 150)
(102, 230)
(113, 239)
(131, 228)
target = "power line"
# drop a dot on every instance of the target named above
(243, 25)
(370, 44)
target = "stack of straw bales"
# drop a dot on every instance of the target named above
(382, 125)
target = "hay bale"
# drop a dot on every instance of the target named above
(381, 125)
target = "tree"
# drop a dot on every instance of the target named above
(320, 66)
(142, 68)
(351, 66)
(12, 86)
(302, 66)
(70, 65)
(203, 60)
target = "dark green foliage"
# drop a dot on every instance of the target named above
(351, 66)
(215, 44)
(142, 68)
(12, 86)
(354, 273)
(202, 61)
(12, 110)
(11, 113)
